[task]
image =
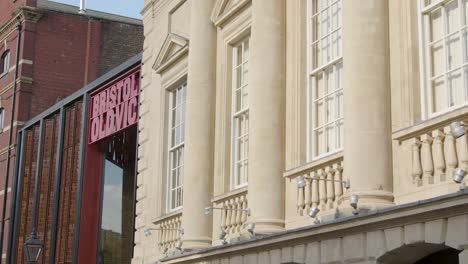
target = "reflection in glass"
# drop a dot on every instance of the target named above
(115, 245)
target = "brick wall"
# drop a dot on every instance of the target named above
(119, 42)
(10, 7)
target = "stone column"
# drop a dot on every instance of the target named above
(463, 257)
(199, 132)
(267, 115)
(367, 111)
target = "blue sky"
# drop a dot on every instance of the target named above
(130, 8)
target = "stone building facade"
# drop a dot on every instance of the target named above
(302, 131)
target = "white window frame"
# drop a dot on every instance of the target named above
(427, 106)
(235, 182)
(173, 148)
(313, 71)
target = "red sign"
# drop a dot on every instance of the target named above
(114, 107)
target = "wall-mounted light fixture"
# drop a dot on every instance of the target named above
(178, 245)
(458, 175)
(313, 212)
(209, 210)
(301, 181)
(251, 228)
(353, 202)
(458, 129)
(222, 236)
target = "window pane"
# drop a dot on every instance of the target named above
(465, 11)
(453, 16)
(439, 94)
(438, 58)
(436, 25)
(330, 105)
(455, 86)
(320, 142)
(319, 113)
(454, 52)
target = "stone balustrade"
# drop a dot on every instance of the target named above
(324, 187)
(435, 153)
(425, 156)
(234, 213)
(169, 232)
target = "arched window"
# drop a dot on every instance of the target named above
(4, 62)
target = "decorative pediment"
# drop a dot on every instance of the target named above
(224, 9)
(173, 48)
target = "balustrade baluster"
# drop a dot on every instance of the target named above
(300, 200)
(238, 214)
(439, 157)
(450, 150)
(315, 190)
(416, 160)
(322, 189)
(307, 194)
(224, 215)
(329, 174)
(232, 216)
(243, 207)
(338, 184)
(462, 148)
(427, 160)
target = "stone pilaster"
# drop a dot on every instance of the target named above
(199, 132)
(367, 110)
(267, 115)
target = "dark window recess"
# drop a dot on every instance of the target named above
(4, 62)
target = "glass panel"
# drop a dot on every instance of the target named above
(117, 199)
(453, 16)
(319, 113)
(329, 115)
(454, 52)
(439, 95)
(465, 11)
(319, 142)
(438, 58)
(456, 89)
(339, 131)
(465, 45)
(436, 26)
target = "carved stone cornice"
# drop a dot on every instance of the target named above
(24, 14)
(225, 9)
(174, 48)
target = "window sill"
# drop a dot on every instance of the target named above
(3, 74)
(234, 192)
(163, 217)
(313, 165)
(430, 124)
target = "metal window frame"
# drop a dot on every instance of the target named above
(58, 108)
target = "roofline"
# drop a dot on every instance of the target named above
(73, 10)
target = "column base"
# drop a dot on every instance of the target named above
(368, 201)
(193, 243)
(268, 226)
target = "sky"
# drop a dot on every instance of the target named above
(130, 8)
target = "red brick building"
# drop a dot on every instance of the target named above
(60, 52)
